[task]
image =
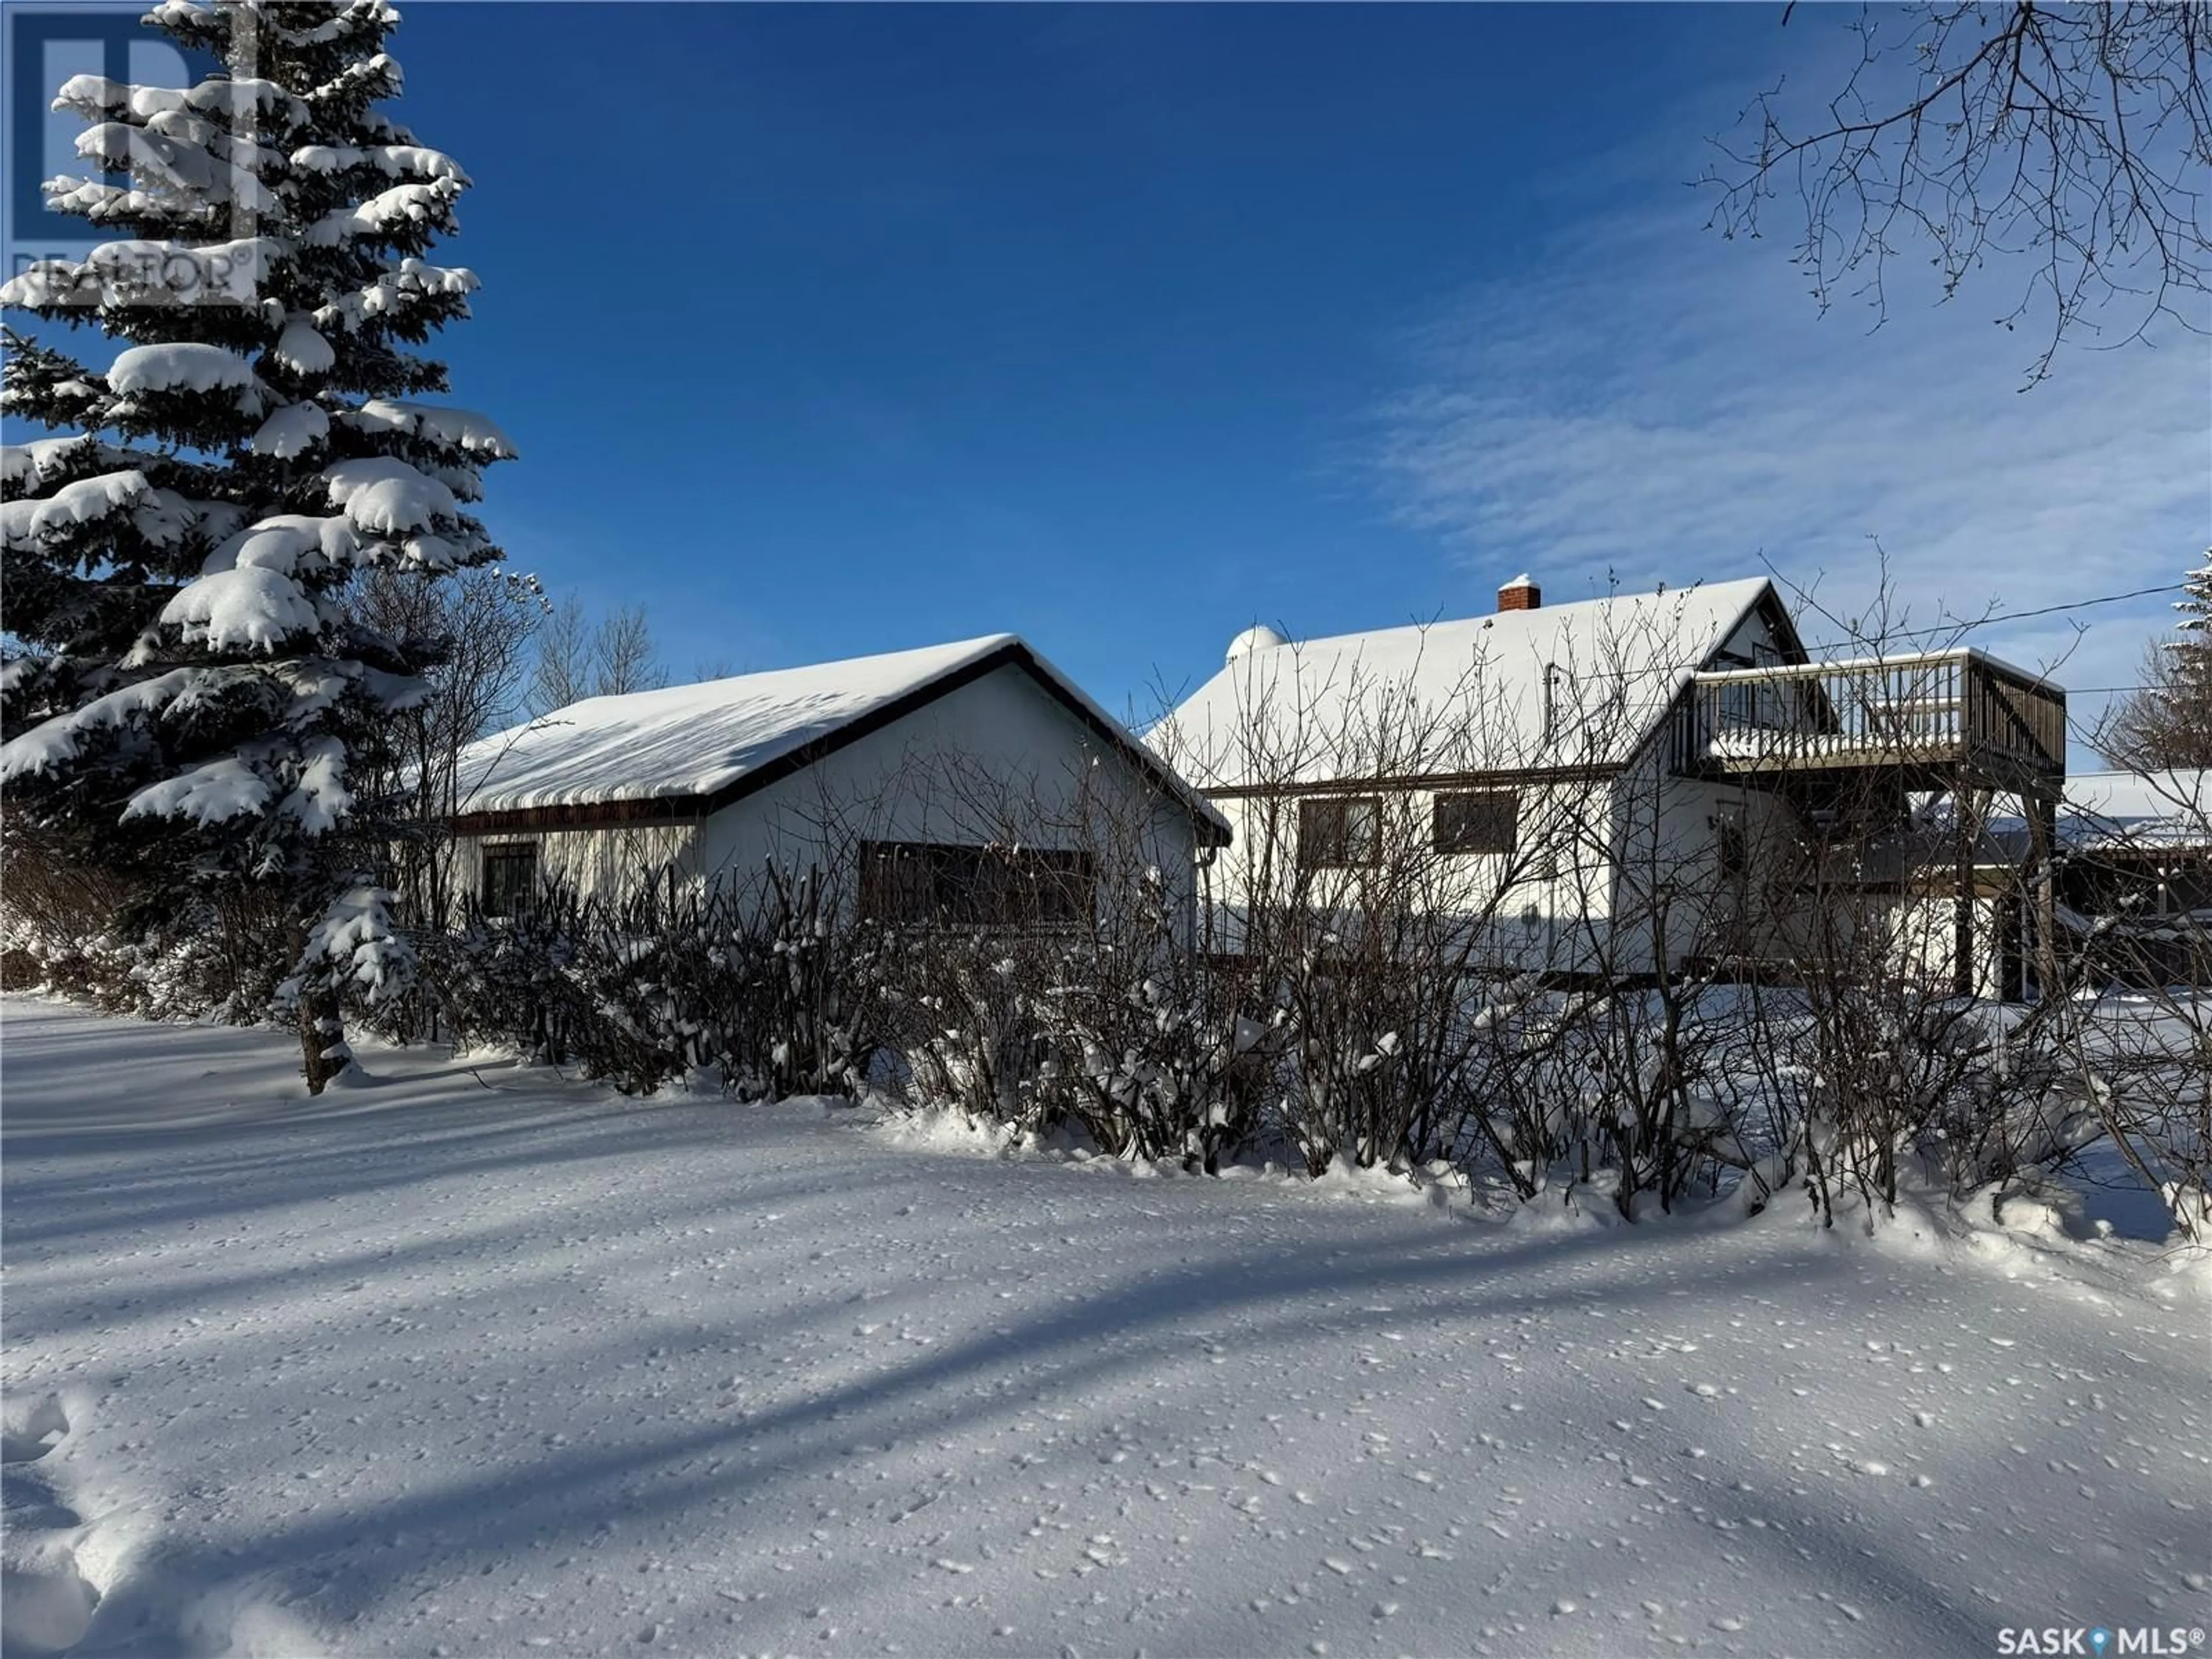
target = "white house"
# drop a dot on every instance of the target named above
(1608, 785)
(970, 781)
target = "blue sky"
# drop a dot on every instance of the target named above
(834, 330)
(826, 330)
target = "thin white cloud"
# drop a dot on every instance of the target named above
(1660, 404)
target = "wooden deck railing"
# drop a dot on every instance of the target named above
(1939, 707)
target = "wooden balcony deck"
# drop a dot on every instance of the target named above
(1936, 714)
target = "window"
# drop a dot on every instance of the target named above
(510, 878)
(1734, 852)
(1482, 820)
(1755, 702)
(936, 883)
(1338, 834)
(1555, 697)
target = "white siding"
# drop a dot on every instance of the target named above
(997, 757)
(1616, 874)
(596, 862)
(1924, 932)
(1755, 635)
(1534, 899)
(997, 760)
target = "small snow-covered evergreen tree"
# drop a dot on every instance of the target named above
(185, 680)
(2192, 652)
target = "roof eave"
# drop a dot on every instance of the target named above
(1209, 827)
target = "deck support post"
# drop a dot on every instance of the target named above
(2042, 804)
(1966, 811)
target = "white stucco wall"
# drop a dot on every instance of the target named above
(1674, 884)
(1672, 892)
(1604, 867)
(999, 760)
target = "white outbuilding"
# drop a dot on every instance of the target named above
(972, 783)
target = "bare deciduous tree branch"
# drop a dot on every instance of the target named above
(2078, 137)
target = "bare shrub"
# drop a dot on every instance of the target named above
(111, 932)
(1460, 901)
(1064, 992)
(2137, 1033)
(1884, 1053)
(1339, 926)
(771, 983)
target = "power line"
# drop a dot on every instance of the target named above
(1877, 642)
(1960, 627)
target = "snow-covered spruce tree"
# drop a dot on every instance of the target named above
(2167, 720)
(186, 682)
(2192, 654)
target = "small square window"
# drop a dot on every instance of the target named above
(1334, 835)
(510, 878)
(1477, 821)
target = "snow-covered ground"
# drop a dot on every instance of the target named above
(481, 1362)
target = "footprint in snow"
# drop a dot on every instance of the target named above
(47, 1603)
(32, 1429)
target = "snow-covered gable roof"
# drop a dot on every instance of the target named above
(693, 749)
(2144, 809)
(1580, 684)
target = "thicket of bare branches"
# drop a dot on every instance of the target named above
(577, 658)
(115, 933)
(2166, 722)
(1365, 979)
(2077, 139)
(2137, 1031)
(482, 624)
(1082, 1009)
(769, 984)
(1877, 1075)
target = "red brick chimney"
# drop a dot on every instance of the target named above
(1520, 594)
